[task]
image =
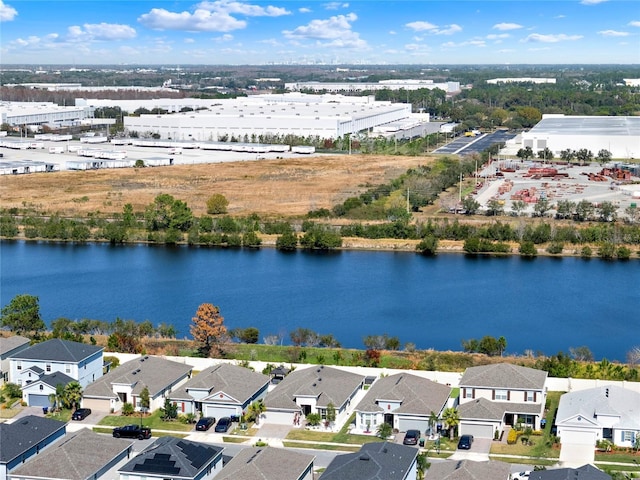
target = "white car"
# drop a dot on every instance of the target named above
(520, 475)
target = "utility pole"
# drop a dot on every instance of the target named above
(407, 200)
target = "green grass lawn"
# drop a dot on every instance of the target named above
(343, 436)
(316, 446)
(153, 421)
(64, 415)
(621, 457)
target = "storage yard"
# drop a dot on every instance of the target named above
(508, 181)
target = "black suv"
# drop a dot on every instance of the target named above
(81, 414)
(412, 437)
(223, 425)
(132, 431)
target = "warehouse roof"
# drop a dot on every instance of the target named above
(587, 125)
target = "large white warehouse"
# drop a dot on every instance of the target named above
(323, 116)
(347, 87)
(619, 135)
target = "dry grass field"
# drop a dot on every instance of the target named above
(270, 188)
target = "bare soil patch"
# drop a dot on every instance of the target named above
(270, 188)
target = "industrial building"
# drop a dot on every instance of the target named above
(261, 116)
(495, 81)
(618, 135)
(350, 87)
(36, 114)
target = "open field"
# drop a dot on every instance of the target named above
(271, 188)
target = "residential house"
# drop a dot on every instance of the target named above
(24, 438)
(499, 395)
(404, 401)
(375, 461)
(171, 458)
(312, 390)
(586, 472)
(602, 413)
(80, 361)
(10, 346)
(36, 393)
(268, 463)
(468, 470)
(125, 383)
(81, 455)
(221, 391)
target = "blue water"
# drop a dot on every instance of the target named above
(545, 305)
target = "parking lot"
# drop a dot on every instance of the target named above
(469, 145)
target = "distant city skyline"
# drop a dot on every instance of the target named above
(316, 32)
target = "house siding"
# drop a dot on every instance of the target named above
(35, 449)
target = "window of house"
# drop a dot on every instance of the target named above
(627, 436)
(19, 366)
(48, 367)
(41, 387)
(468, 393)
(501, 395)
(530, 397)
(67, 368)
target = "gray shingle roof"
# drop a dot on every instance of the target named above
(266, 464)
(56, 378)
(58, 351)
(483, 409)
(504, 375)
(586, 472)
(78, 456)
(153, 372)
(329, 385)
(19, 436)
(171, 457)
(237, 382)
(605, 400)
(7, 344)
(374, 461)
(468, 470)
(419, 396)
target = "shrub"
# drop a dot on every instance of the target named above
(555, 248)
(586, 252)
(314, 419)
(512, 438)
(127, 409)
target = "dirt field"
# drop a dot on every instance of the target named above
(270, 188)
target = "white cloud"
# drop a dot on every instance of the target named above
(335, 5)
(507, 50)
(227, 37)
(304, 10)
(561, 37)
(189, 40)
(421, 26)
(613, 33)
(506, 26)
(198, 21)
(392, 32)
(592, 2)
(468, 43)
(336, 29)
(634, 23)
(101, 31)
(246, 9)
(7, 12)
(560, 16)
(497, 36)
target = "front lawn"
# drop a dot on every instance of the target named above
(321, 446)
(619, 457)
(152, 421)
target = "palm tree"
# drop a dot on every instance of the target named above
(72, 395)
(451, 419)
(433, 420)
(256, 409)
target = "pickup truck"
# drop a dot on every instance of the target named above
(132, 431)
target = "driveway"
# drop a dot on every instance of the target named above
(479, 451)
(573, 455)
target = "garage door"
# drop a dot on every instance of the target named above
(96, 404)
(405, 424)
(39, 400)
(478, 431)
(578, 437)
(217, 411)
(577, 447)
(279, 418)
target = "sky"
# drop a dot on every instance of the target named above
(175, 32)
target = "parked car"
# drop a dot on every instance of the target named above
(81, 414)
(465, 442)
(132, 431)
(521, 476)
(205, 423)
(223, 425)
(411, 437)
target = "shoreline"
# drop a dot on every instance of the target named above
(361, 244)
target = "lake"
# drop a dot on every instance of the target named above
(544, 304)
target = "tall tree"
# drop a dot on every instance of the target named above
(22, 315)
(145, 402)
(72, 395)
(208, 329)
(451, 419)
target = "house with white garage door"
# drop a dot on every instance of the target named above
(80, 361)
(221, 391)
(404, 401)
(499, 395)
(311, 390)
(602, 413)
(125, 383)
